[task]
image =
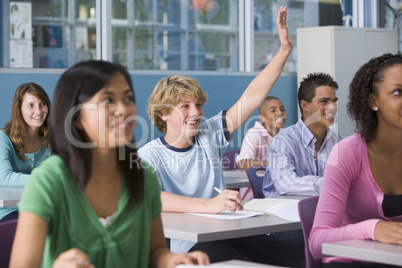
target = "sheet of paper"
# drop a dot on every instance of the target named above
(229, 264)
(227, 215)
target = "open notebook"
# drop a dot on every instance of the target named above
(280, 207)
(286, 209)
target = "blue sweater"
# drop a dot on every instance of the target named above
(13, 170)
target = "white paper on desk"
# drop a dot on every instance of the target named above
(228, 264)
(286, 209)
(227, 215)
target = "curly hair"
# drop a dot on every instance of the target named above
(168, 93)
(364, 83)
(16, 127)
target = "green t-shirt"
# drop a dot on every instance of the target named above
(53, 195)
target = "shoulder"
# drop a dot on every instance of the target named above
(151, 148)
(354, 141)
(52, 168)
(214, 121)
(151, 176)
(4, 138)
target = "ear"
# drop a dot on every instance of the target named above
(262, 118)
(373, 103)
(77, 121)
(304, 105)
(163, 117)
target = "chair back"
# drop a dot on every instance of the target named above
(307, 209)
(256, 180)
(7, 232)
(229, 159)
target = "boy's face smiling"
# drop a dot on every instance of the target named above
(183, 121)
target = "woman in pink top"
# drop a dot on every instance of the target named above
(361, 196)
(255, 144)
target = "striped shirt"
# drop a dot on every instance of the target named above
(291, 166)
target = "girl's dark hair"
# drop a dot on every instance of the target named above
(16, 127)
(77, 85)
(364, 83)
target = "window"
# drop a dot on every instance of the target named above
(201, 35)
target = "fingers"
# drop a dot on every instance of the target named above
(72, 258)
(232, 200)
(199, 257)
(388, 232)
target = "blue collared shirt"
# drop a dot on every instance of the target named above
(291, 166)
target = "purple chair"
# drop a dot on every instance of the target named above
(229, 159)
(307, 209)
(255, 180)
(7, 232)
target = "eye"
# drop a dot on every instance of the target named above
(397, 92)
(199, 105)
(107, 100)
(184, 106)
(129, 99)
(30, 105)
(42, 104)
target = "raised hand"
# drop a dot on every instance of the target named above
(284, 35)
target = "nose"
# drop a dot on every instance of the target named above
(119, 109)
(332, 106)
(194, 111)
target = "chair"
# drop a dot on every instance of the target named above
(307, 209)
(255, 180)
(229, 159)
(7, 232)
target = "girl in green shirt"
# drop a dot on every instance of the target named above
(92, 203)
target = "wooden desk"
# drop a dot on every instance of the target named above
(365, 250)
(10, 196)
(201, 229)
(235, 179)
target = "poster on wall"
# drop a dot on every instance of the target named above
(21, 35)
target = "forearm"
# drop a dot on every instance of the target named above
(177, 203)
(10, 178)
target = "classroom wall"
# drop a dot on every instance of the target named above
(223, 91)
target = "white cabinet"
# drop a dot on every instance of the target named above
(340, 51)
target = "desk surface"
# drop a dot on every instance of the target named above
(365, 250)
(201, 229)
(10, 196)
(235, 179)
(235, 173)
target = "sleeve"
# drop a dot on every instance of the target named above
(248, 148)
(330, 212)
(40, 192)
(8, 176)
(213, 132)
(153, 190)
(282, 168)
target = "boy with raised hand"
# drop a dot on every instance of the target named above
(188, 157)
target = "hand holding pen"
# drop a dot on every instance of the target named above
(231, 199)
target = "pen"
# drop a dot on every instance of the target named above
(219, 191)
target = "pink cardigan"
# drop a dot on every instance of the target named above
(350, 203)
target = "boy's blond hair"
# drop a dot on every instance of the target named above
(168, 93)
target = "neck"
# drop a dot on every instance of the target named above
(32, 133)
(387, 142)
(104, 164)
(271, 130)
(184, 142)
